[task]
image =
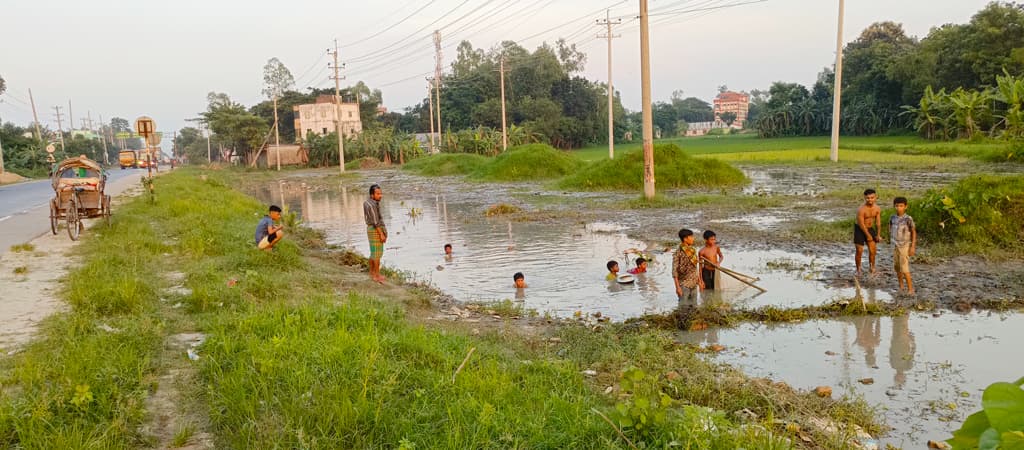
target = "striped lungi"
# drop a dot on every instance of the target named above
(376, 245)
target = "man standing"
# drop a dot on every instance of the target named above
(866, 230)
(375, 231)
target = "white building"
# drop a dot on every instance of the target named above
(319, 118)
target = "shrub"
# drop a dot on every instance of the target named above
(673, 168)
(983, 210)
(529, 162)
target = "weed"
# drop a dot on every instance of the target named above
(26, 247)
(21, 270)
(502, 209)
(977, 214)
(184, 433)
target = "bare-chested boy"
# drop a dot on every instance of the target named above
(713, 254)
(865, 231)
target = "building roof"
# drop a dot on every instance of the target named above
(730, 96)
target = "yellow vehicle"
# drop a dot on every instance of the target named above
(127, 158)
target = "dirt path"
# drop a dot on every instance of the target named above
(29, 280)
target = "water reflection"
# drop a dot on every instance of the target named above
(931, 362)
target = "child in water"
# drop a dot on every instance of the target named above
(613, 271)
(641, 266)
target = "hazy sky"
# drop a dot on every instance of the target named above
(129, 58)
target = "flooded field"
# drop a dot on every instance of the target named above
(926, 373)
(564, 263)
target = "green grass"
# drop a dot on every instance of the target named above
(446, 164)
(21, 270)
(674, 169)
(528, 162)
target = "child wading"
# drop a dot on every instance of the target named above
(613, 270)
(713, 253)
(865, 231)
(685, 264)
(904, 242)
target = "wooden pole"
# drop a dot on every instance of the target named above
(645, 89)
(734, 275)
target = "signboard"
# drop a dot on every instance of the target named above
(123, 135)
(145, 126)
(154, 139)
(50, 148)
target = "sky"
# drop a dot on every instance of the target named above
(121, 58)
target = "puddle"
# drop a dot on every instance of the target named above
(811, 181)
(760, 222)
(928, 372)
(564, 264)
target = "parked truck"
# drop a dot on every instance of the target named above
(127, 158)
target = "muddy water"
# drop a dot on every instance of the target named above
(805, 181)
(928, 372)
(564, 264)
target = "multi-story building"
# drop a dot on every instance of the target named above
(319, 118)
(733, 102)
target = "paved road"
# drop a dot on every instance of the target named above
(25, 211)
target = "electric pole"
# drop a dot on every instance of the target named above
(608, 22)
(430, 100)
(277, 135)
(1, 152)
(645, 90)
(103, 137)
(504, 131)
(437, 77)
(39, 135)
(60, 128)
(337, 109)
(837, 87)
(71, 118)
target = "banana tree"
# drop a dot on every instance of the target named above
(968, 108)
(1010, 91)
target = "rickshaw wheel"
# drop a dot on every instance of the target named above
(74, 222)
(106, 209)
(54, 215)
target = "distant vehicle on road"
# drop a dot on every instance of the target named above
(127, 158)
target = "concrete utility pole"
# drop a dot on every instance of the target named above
(337, 109)
(209, 154)
(39, 135)
(71, 118)
(437, 77)
(504, 131)
(1, 152)
(837, 88)
(60, 128)
(277, 135)
(103, 137)
(608, 22)
(430, 100)
(645, 94)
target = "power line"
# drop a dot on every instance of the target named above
(413, 34)
(390, 27)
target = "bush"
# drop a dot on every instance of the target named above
(446, 164)
(529, 162)
(982, 210)
(673, 168)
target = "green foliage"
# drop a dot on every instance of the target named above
(501, 209)
(528, 162)
(647, 409)
(981, 211)
(1000, 423)
(445, 164)
(673, 168)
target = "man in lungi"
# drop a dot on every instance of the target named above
(376, 232)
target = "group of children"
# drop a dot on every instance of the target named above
(694, 271)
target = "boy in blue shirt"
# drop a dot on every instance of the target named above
(267, 234)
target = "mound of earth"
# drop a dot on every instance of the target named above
(10, 177)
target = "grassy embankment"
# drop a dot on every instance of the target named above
(300, 355)
(816, 148)
(522, 163)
